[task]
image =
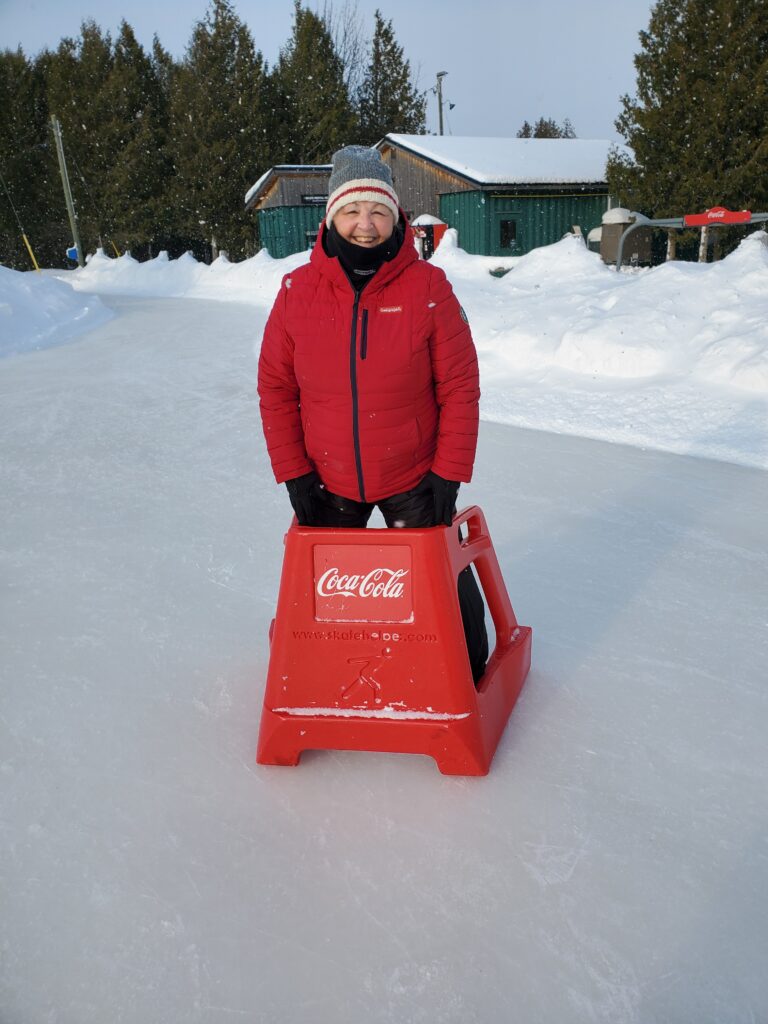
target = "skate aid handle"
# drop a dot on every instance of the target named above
(476, 549)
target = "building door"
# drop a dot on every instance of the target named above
(506, 230)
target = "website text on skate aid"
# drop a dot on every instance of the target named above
(388, 636)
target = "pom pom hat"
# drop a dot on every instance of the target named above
(360, 175)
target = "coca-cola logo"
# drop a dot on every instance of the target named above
(363, 582)
(380, 582)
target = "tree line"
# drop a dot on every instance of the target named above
(161, 152)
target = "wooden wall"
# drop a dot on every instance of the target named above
(288, 189)
(418, 184)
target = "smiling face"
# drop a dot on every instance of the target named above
(366, 224)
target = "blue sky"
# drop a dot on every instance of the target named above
(505, 62)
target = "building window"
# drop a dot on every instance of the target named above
(507, 234)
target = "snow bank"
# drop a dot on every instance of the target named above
(675, 357)
(37, 312)
(253, 280)
(562, 309)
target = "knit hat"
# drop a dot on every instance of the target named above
(359, 175)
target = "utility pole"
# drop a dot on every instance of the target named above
(67, 189)
(440, 76)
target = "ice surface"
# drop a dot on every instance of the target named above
(611, 868)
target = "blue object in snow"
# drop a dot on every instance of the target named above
(72, 252)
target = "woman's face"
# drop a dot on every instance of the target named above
(365, 223)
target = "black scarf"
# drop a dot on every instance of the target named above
(361, 262)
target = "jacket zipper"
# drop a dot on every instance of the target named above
(353, 381)
(364, 336)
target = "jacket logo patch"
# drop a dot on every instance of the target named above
(390, 309)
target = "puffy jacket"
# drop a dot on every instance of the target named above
(370, 389)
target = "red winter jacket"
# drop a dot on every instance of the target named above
(370, 389)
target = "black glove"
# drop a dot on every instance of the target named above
(444, 494)
(301, 491)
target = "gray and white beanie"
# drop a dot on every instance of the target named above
(359, 174)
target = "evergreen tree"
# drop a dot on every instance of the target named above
(25, 165)
(219, 133)
(547, 128)
(309, 89)
(76, 75)
(164, 68)
(388, 100)
(132, 191)
(698, 125)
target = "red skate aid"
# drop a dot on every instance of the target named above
(368, 649)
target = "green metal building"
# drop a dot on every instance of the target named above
(503, 196)
(510, 224)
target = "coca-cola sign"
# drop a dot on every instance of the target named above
(363, 583)
(379, 582)
(717, 215)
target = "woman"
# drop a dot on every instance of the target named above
(368, 378)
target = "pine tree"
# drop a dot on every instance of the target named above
(26, 166)
(389, 100)
(698, 125)
(76, 75)
(310, 91)
(218, 130)
(164, 69)
(547, 128)
(132, 191)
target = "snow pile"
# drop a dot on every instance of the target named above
(561, 308)
(37, 312)
(675, 357)
(253, 280)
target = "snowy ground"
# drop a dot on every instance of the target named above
(611, 868)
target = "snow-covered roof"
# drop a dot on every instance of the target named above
(285, 169)
(491, 161)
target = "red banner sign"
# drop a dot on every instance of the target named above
(363, 583)
(717, 215)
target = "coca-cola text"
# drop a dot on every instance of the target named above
(381, 582)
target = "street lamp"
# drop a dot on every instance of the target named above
(440, 76)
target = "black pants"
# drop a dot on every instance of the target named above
(412, 509)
